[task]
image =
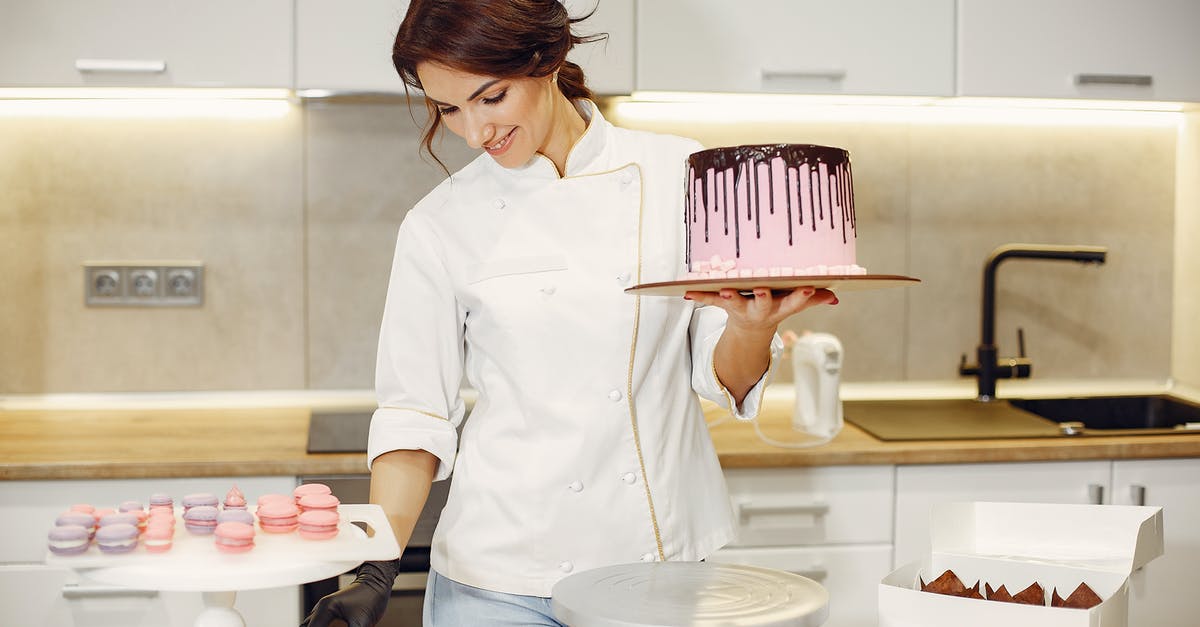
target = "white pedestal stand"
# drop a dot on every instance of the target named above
(278, 560)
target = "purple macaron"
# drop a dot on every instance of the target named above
(235, 515)
(130, 506)
(199, 499)
(201, 519)
(77, 518)
(118, 538)
(124, 518)
(67, 539)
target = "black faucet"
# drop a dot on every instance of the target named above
(989, 366)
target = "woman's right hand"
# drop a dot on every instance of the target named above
(360, 604)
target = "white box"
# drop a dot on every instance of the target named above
(1016, 544)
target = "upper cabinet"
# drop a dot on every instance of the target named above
(216, 43)
(347, 46)
(881, 47)
(1103, 49)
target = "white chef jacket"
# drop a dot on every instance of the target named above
(586, 445)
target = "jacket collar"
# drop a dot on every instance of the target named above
(582, 158)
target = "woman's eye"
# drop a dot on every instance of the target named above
(497, 98)
(447, 110)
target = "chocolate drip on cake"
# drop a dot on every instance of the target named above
(802, 175)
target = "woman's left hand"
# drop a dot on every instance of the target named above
(763, 312)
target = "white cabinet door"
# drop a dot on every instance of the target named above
(887, 47)
(348, 46)
(919, 488)
(1111, 49)
(227, 43)
(1163, 593)
(807, 506)
(31, 507)
(850, 574)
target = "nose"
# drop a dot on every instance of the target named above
(478, 131)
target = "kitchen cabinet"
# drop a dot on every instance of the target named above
(920, 487)
(880, 47)
(1163, 593)
(831, 524)
(157, 43)
(34, 594)
(347, 47)
(1103, 49)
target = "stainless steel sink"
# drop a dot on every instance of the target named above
(1105, 413)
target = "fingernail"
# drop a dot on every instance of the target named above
(834, 301)
(808, 291)
(686, 297)
(726, 296)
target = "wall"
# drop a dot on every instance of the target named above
(1185, 359)
(295, 218)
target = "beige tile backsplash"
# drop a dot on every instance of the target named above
(295, 219)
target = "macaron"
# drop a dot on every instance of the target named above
(234, 499)
(235, 515)
(274, 498)
(117, 538)
(326, 502)
(101, 512)
(161, 500)
(160, 516)
(79, 519)
(125, 518)
(307, 489)
(318, 524)
(158, 538)
(234, 537)
(130, 506)
(278, 517)
(200, 499)
(82, 507)
(201, 519)
(67, 539)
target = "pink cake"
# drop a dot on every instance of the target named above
(774, 210)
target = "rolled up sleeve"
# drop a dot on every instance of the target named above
(708, 323)
(419, 366)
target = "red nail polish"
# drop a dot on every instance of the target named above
(834, 301)
(686, 297)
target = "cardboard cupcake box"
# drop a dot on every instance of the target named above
(1016, 544)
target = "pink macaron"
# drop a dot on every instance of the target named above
(309, 489)
(318, 524)
(326, 502)
(158, 538)
(278, 517)
(234, 537)
(82, 507)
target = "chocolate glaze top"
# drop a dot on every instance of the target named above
(792, 154)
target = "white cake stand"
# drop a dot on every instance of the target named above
(193, 564)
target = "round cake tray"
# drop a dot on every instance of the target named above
(835, 282)
(697, 594)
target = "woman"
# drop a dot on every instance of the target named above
(586, 445)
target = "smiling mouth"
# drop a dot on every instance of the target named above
(499, 146)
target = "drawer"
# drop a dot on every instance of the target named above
(812, 506)
(850, 574)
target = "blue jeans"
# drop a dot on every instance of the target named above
(452, 604)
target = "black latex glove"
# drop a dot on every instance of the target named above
(360, 604)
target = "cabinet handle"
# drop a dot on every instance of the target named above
(1137, 494)
(830, 74)
(1138, 80)
(125, 66)
(815, 573)
(1095, 494)
(747, 509)
(75, 591)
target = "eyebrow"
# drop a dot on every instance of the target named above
(482, 88)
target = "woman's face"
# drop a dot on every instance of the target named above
(509, 118)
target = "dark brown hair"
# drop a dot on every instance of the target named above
(500, 38)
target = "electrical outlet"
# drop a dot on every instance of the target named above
(144, 284)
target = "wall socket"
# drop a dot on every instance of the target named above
(143, 284)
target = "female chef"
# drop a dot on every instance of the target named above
(586, 445)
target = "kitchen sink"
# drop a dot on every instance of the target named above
(1156, 412)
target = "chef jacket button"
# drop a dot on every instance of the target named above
(623, 278)
(498, 203)
(614, 395)
(629, 478)
(576, 486)
(566, 567)
(648, 557)
(549, 290)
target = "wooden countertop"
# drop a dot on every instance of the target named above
(146, 443)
